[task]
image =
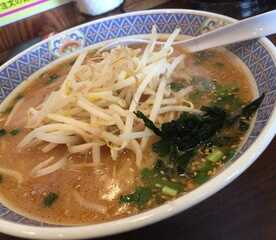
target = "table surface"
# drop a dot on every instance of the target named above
(246, 209)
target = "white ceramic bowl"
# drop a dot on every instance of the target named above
(259, 56)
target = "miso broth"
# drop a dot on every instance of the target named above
(81, 191)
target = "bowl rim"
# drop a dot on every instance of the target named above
(166, 210)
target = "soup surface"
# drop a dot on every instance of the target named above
(54, 182)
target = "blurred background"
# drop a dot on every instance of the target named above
(19, 31)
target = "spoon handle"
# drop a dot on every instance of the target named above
(250, 28)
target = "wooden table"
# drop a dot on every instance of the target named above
(244, 210)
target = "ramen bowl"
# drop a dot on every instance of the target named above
(257, 55)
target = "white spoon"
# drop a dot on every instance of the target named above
(250, 28)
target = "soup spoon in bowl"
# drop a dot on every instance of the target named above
(250, 28)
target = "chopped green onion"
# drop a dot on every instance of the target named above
(169, 191)
(201, 177)
(52, 78)
(219, 65)
(203, 84)
(49, 200)
(14, 131)
(158, 185)
(160, 182)
(153, 178)
(230, 154)
(202, 174)
(176, 86)
(227, 97)
(146, 173)
(2, 132)
(202, 56)
(19, 97)
(196, 95)
(215, 155)
(140, 197)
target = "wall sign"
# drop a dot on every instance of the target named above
(14, 10)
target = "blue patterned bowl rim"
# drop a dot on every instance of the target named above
(262, 134)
